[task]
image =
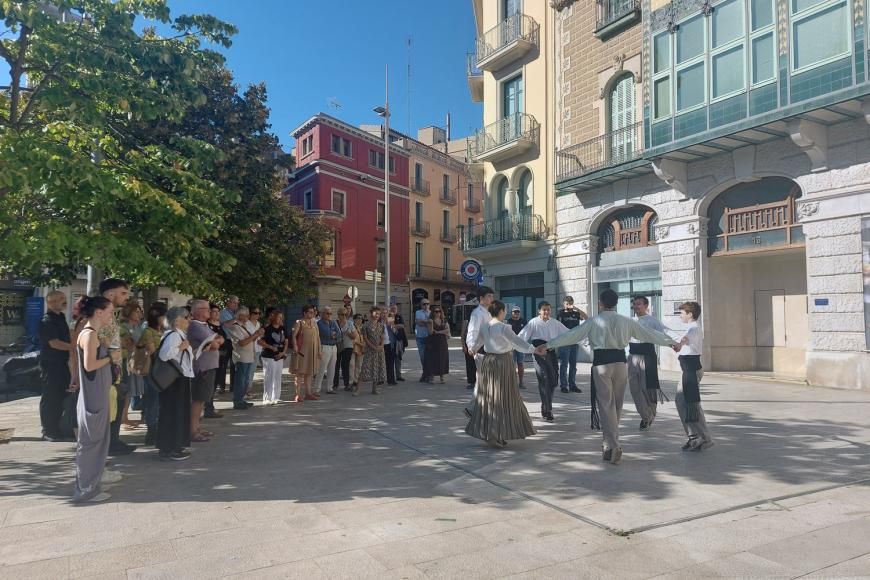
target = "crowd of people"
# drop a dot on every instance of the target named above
(169, 363)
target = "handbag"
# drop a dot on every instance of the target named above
(69, 419)
(164, 372)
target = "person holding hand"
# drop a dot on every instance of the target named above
(275, 345)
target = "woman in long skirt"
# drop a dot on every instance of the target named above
(173, 423)
(95, 380)
(499, 413)
(374, 365)
(437, 354)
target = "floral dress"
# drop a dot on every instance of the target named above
(374, 366)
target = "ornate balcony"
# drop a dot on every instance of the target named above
(614, 15)
(475, 78)
(509, 137)
(447, 196)
(420, 229)
(608, 150)
(448, 235)
(509, 233)
(420, 187)
(507, 42)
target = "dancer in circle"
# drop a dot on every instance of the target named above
(499, 413)
(538, 331)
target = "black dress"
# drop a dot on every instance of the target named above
(437, 355)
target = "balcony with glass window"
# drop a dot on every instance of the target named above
(504, 139)
(722, 75)
(615, 15)
(475, 78)
(509, 41)
(512, 233)
(420, 187)
(420, 229)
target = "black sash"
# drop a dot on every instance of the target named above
(602, 356)
(691, 364)
(653, 386)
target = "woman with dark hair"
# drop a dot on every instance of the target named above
(173, 428)
(305, 339)
(95, 380)
(499, 411)
(437, 356)
(374, 365)
(275, 344)
(148, 343)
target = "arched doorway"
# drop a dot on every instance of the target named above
(524, 193)
(628, 260)
(757, 284)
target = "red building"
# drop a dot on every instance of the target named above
(340, 179)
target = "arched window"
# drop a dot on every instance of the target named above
(630, 228)
(620, 104)
(524, 193)
(755, 216)
(501, 208)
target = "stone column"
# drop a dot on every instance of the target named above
(574, 262)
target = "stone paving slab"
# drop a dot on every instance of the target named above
(391, 487)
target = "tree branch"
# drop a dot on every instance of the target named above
(15, 74)
(32, 100)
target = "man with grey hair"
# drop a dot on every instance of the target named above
(330, 336)
(54, 338)
(243, 355)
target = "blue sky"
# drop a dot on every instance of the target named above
(309, 52)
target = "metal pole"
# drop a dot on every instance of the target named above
(386, 186)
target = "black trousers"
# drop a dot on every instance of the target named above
(173, 423)
(123, 389)
(56, 380)
(470, 369)
(390, 357)
(548, 377)
(342, 365)
(220, 379)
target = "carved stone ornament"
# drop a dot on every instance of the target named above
(584, 245)
(618, 61)
(662, 232)
(807, 209)
(697, 229)
(560, 5)
(707, 9)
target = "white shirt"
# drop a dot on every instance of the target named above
(238, 333)
(170, 351)
(252, 328)
(650, 322)
(696, 340)
(540, 329)
(480, 316)
(498, 338)
(610, 330)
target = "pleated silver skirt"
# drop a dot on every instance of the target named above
(499, 411)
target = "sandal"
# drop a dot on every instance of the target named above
(199, 438)
(205, 433)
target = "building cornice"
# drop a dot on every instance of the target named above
(560, 5)
(324, 119)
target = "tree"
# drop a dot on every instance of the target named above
(76, 185)
(270, 241)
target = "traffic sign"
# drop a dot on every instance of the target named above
(347, 299)
(470, 270)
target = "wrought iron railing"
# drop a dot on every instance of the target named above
(512, 128)
(435, 273)
(612, 10)
(516, 27)
(420, 229)
(608, 150)
(510, 228)
(448, 196)
(448, 235)
(420, 186)
(472, 205)
(471, 67)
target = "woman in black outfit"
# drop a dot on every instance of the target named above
(437, 355)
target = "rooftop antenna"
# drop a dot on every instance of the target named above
(409, 85)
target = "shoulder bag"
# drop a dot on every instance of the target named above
(164, 372)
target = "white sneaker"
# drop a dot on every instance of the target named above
(111, 477)
(616, 457)
(103, 496)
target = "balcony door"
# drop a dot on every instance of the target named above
(512, 108)
(621, 104)
(512, 7)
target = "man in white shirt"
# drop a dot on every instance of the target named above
(538, 331)
(688, 399)
(479, 317)
(643, 374)
(609, 333)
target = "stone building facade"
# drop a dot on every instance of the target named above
(746, 186)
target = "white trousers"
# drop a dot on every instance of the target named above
(272, 370)
(327, 367)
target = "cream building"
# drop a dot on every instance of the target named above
(719, 151)
(512, 72)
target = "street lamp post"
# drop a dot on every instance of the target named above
(385, 113)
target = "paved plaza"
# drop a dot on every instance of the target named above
(390, 487)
